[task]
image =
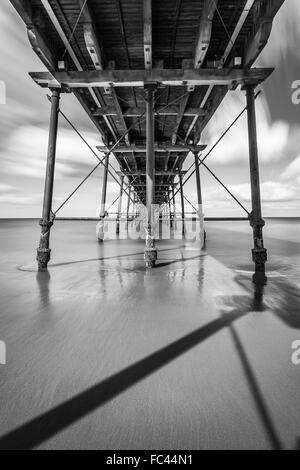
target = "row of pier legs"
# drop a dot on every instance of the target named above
(259, 253)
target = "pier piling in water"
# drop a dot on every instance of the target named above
(259, 252)
(43, 251)
(100, 225)
(150, 249)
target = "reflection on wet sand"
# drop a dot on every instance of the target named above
(193, 348)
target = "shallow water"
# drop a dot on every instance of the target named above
(102, 353)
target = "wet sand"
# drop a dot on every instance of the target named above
(103, 354)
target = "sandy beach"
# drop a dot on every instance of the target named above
(104, 354)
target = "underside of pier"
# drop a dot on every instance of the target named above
(103, 353)
(150, 75)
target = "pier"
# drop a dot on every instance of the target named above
(150, 76)
(150, 326)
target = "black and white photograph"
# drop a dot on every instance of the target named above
(150, 228)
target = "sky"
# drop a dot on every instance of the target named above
(24, 121)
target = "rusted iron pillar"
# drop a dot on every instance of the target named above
(259, 253)
(120, 206)
(170, 211)
(128, 205)
(199, 200)
(43, 251)
(150, 253)
(100, 226)
(198, 183)
(182, 205)
(174, 207)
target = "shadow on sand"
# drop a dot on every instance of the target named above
(47, 425)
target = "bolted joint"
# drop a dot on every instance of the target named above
(55, 93)
(259, 256)
(150, 256)
(150, 252)
(43, 258)
(249, 86)
(150, 242)
(149, 90)
(100, 230)
(46, 223)
(254, 222)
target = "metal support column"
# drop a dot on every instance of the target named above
(199, 199)
(259, 253)
(150, 249)
(120, 206)
(182, 205)
(170, 212)
(43, 251)
(128, 206)
(100, 226)
(174, 207)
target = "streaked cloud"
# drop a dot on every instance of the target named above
(6, 187)
(292, 172)
(285, 36)
(24, 132)
(25, 151)
(273, 137)
(270, 192)
(19, 199)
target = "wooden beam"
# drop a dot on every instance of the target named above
(161, 185)
(38, 41)
(167, 161)
(157, 148)
(94, 49)
(183, 104)
(90, 36)
(120, 116)
(140, 78)
(217, 97)
(86, 107)
(24, 9)
(172, 110)
(92, 45)
(255, 44)
(241, 21)
(175, 164)
(205, 30)
(126, 162)
(64, 32)
(157, 173)
(147, 13)
(41, 49)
